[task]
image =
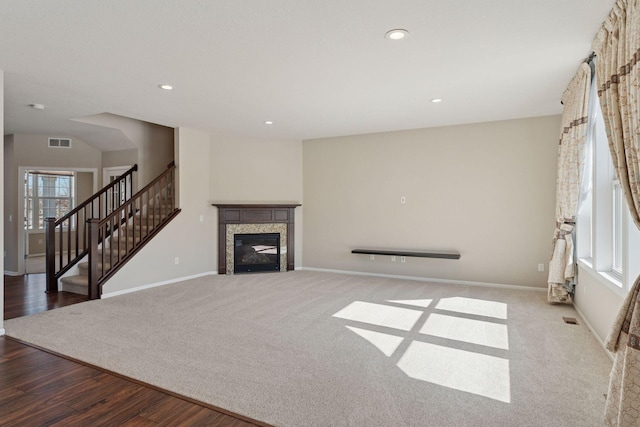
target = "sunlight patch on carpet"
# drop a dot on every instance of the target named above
(468, 330)
(386, 343)
(380, 315)
(458, 369)
(468, 371)
(478, 307)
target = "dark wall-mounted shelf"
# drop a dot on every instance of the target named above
(421, 254)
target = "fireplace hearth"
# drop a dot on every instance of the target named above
(256, 252)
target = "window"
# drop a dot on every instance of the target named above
(47, 195)
(584, 232)
(617, 219)
(607, 240)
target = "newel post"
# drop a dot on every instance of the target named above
(50, 258)
(94, 289)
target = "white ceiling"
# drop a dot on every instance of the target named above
(317, 68)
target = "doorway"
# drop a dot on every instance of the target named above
(38, 198)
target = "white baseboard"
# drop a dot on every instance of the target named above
(593, 332)
(428, 279)
(154, 285)
(12, 273)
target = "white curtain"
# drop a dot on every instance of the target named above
(617, 46)
(571, 152)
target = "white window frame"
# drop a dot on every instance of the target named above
(33, 216)
(617, 221)
(607, 240)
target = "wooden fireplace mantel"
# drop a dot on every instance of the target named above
(255, 213)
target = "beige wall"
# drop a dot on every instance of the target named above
(187, 237)
(154, 143)
(486, 190)
(26, 150)
(111, 159)
(37, 243)
(84, 186)
(597, 303)
(257, 170)
(2, 201)
(155, 152)
(10, 207)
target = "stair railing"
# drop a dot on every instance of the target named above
(115, 239)
(67, 238)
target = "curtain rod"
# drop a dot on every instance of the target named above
(590, 58)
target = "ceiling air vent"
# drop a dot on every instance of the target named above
(59, 143)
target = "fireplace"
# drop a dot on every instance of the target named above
(251, 219)
(256, 252)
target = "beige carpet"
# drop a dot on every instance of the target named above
(317, 349)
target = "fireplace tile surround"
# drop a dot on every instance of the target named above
(247, 218)
(232, 229)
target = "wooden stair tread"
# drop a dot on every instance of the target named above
(76, 280)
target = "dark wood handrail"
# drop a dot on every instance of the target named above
(76, 248)
(151, 208)
(144, 189)
(104, 189)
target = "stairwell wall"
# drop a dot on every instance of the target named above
(184, 247)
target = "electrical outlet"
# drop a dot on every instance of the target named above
(372, 257)
(403, 259)
(177, 260)
(393, 258)
(540, 267)
(403, 200)
(201, 218)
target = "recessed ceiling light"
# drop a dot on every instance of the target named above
(268, 122)
(165, 87)
(37, 106)
(436, 100)
(397, 34)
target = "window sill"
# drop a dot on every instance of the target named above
(612, 277)
(608, 279)
(36, 231)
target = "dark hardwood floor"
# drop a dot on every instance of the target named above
(24, 295)
(38, 388)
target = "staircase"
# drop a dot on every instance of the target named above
(112, 239)
(123, 238)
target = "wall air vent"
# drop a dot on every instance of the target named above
(59, 143)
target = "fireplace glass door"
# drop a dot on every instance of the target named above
(256, 252)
